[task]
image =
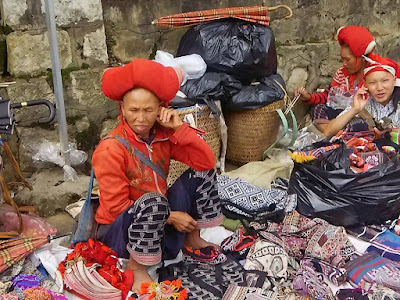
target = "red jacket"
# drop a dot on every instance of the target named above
(123, 178)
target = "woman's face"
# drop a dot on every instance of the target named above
(349, 61)
(380, 86)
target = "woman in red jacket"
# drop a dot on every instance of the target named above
(355, 41)
(137, 219)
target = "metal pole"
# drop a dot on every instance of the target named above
(57, 81)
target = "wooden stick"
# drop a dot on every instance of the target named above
(15, 165)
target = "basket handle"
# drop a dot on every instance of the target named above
(285, 130)
(273, 8)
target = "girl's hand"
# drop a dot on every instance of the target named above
(360, 99)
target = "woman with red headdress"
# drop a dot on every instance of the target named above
(140, 218)
(355, 42)
(379, 97)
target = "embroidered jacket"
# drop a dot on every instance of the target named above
(123, 178)
(341, 78)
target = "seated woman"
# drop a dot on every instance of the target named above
(378, 98)
(355, 42)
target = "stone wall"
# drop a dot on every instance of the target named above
(93, 34)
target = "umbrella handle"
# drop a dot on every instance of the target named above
(50, 106)
(273, 8)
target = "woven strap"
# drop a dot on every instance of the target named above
(139, 154)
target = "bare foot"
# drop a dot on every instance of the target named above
(140, 274)
(139, 277)
(194, 241)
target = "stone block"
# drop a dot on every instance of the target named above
(107, 126)
(32, 89)
(31, 14)
(130, 45)
(86, 97)
(94, 46)
(29, 53)
(88, 45)
(51, 194)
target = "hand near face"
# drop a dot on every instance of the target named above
(169, 118)
(182, 221)
(360, 99)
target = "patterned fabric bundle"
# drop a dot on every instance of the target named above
(237, 244)
(24, 281)
(33, 293)
(166, 290)
(387, 245)
(308, 282)
(236, 292)
(315, 238)
(211, 281)
(304, 156)
(241, 199)
(373, 268)
(269, 257)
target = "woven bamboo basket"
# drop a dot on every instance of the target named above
(205, 121)
(251, 132)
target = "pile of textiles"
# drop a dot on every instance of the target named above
(92, 271)
(366, 151)
(23, 281)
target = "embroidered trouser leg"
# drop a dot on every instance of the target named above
(196, 193)
(138, 231)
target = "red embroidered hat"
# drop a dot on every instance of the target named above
(358, 38)
(383, 64)
(164, 82)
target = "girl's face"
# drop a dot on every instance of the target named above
(380, 86)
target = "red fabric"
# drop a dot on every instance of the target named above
(383, 61)
(123, 178)
(161, 81)
(358, 39)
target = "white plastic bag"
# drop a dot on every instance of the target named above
(339, 97)
(193, 64)
(50, 152)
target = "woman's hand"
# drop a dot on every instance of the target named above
(182, 221)
(169, 118)
(304, 94)
(360, 99)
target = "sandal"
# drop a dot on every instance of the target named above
(209, 255)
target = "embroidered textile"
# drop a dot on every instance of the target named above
(373, 268)
(236, 292)
(166, 290)
(237, 245)
(211, 281)
(308, 282)
(315, 238)
(387, 245)
(268, 257)
(25, 281)
(253, 202)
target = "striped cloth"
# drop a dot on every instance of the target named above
(13, 250)
(256, 14)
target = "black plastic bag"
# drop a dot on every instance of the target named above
(213, 86)
(256, 96)
(243, 49)
(333, 193)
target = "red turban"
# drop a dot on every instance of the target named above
(357, 38)
(383, 64)
(164, 82)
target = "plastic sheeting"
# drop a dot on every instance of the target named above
(329, 190)
(243, 49)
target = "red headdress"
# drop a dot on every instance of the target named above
(164, 82)
(357, 38)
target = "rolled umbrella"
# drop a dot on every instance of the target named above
(256, 14)
(14, 250)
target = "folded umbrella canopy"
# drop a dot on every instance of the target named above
(256, 14)
(15, 249)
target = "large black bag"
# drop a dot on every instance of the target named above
(327, 189)
(243, 49)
